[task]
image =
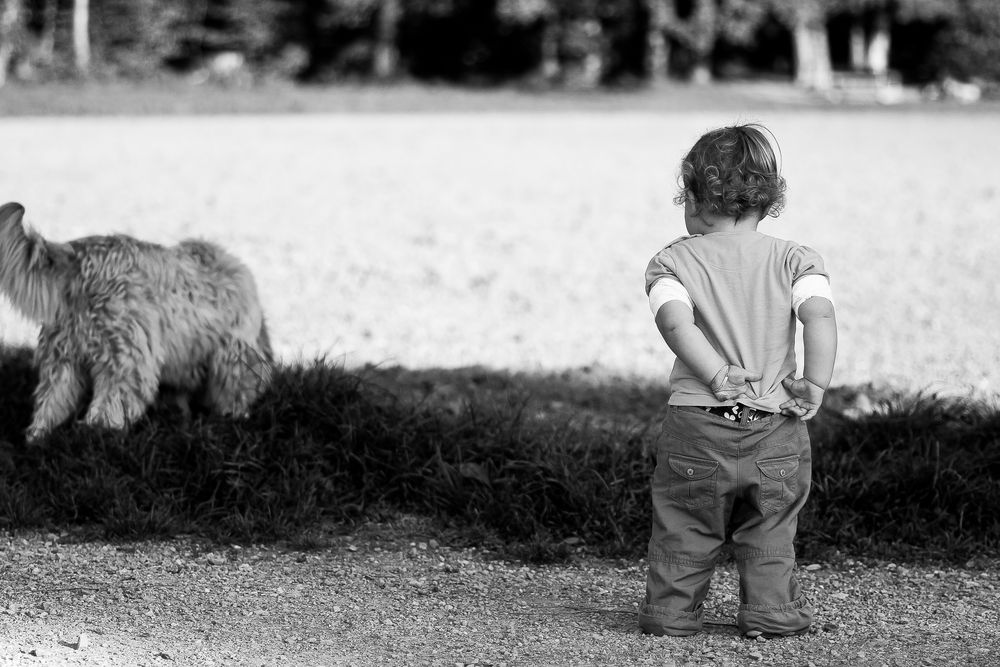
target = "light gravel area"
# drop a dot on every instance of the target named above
(518, 241)
(397, 595)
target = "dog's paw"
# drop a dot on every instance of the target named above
(109, 422)
(34, 435)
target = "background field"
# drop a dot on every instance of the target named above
(517, 240)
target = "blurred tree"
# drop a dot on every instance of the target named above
(11, 23)
(81, 36)
(45, 49)
(657, 44)
(386, 61)
(208, 27)
(626, 27)
(699, 32)
(581, 42)
(807, 21)
(969, 47)
(870, 35)
(551, 16)
(585, 42)
(135, 38)
(697, 25)
(350, 36)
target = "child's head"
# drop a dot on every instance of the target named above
(732, 171)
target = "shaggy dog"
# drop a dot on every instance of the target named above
(121, 318)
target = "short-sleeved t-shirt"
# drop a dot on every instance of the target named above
(740, 285)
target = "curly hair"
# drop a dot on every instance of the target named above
(731, 171)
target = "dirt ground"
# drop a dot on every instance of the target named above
(397, 595)
(518, 240)
(513, 241)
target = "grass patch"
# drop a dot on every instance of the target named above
(541, 479)
(179, 96)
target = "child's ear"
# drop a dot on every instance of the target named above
(691, 204)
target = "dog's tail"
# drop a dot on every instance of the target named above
(29, 267)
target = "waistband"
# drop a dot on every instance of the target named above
(734, 413)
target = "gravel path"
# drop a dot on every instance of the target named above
(394, 595)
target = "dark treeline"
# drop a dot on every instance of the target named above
(548, 42)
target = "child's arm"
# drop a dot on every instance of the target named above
(675, 320)
(819, 337)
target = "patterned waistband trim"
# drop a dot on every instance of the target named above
(734, 413)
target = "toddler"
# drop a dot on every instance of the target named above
(734, 459)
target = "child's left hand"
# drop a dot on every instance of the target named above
(732, 382)
(806, 399)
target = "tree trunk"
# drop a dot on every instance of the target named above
(81, 36)
(878, 48)
(657, 46)
(705, 29)
(594, 61)
(812, 54)
(858, 54)
(46, 46)
(551, 67)
(822, 67)
(10, 20)
(387, 29)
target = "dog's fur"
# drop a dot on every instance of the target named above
(121, 318)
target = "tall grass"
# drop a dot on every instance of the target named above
(922, 474)
(918, 479)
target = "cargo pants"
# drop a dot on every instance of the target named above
(714, 478)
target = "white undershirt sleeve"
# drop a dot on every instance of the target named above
(667, 289)
(807, 287)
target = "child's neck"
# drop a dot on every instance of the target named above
(719, 223)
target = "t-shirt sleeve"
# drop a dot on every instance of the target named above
(805, 261)
(661, 266)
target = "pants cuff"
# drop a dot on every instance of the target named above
(655, 620)
(794, 616)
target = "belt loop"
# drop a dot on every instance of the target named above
(744, 415)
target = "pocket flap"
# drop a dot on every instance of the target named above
(780, 469)
(690, 468)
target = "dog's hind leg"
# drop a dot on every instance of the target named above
(61, 388)
(238, 373)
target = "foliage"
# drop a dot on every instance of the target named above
(467, 40)
(135, 37)
(916, 479)
(970, 46)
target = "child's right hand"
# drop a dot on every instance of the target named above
(732, 382)
(806, 398)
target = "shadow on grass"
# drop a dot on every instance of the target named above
(541, 467)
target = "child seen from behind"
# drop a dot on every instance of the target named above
(734, 458)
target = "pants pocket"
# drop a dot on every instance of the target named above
(692, 481)
(779, 482)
